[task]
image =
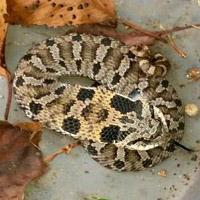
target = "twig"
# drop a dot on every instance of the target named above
(160, 35)
(134, 26)
(65, 150)
(9, 98)
(173, 45)
(176, 29)
(141, 30)
(197, 27)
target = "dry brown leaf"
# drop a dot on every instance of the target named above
(3, 28)
(59, 12)
(33, 129)
(29, 126)
(20, 161)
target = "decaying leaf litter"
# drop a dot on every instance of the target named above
(83, 15)
(20, 160)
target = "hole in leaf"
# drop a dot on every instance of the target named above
(73, 16)
(53, 4)
(70, 8)
(80, 7)
(86, 5)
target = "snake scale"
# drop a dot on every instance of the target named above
(129, 121)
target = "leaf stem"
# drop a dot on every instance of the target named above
(140, 29)
(65, 150)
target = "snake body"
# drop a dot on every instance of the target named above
(128, 122)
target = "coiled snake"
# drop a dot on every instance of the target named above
(128, 122)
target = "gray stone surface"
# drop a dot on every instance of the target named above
(76, 176)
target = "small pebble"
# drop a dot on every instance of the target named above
(163, 173)
(192, 73)
(191, 110)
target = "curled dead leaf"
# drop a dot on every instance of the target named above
(20, 161)
(59, 12)
(33, 129)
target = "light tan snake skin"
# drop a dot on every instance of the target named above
(129, 122)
